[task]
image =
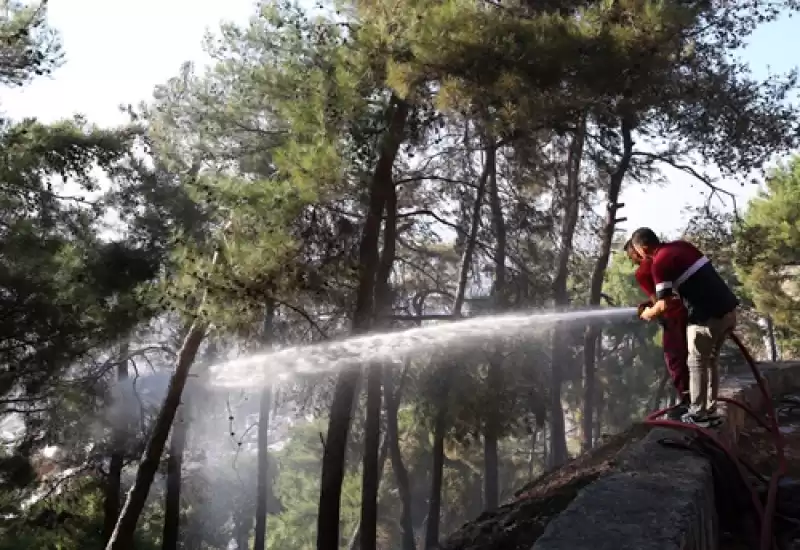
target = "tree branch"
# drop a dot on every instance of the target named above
(302, 313)
(432, 214)
(707, 181)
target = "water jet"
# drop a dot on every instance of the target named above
(464, 334)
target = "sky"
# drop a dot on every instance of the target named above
(117, 51)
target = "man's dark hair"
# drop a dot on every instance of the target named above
(627, 246)
(644, 236)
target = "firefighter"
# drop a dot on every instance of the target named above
(673, 337)
(679, 269)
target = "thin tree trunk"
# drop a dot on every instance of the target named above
(355, 539)
(532, 459)
(333, 462)
(242, 526)
(113, 494)
(122, 537)
(370, 472)
(598, 416)
(773, 345)
(545, 450)
(590, 344)
(440, 426)
(386, 448)
(265, 406)
(172, 497)
(177, 448)
(491, 435)
(398, 467)
(373, 464)
(558, 436)
(592, 334)
(437, 473)
(659, 395)
(119, 438)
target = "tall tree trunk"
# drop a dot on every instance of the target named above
(437, 474)
(593, 334)
(440, 425)
(177, 448)
(119, 439)
(172, 497)
(491, 487)
(373, 464)
(265, 406)
(333, 462)
(398, 467)
(571, 203)
(122, 537)
(355, 539)
(370, 479)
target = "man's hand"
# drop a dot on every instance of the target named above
(654, 311)
(648, 314)
(641, 307)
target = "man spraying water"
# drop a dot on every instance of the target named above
(673, 338)
(679, 269)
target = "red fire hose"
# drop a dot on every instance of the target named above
(770, 424)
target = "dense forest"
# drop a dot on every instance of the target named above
(342, 169)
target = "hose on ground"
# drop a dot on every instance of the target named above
(729, 466)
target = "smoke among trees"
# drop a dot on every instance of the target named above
(378, 166)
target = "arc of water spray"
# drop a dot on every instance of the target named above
(259, 369)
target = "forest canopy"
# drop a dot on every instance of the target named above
(356, 168)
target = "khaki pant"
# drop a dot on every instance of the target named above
(705, 342)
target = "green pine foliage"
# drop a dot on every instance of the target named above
(250, 185)
(767, 256)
